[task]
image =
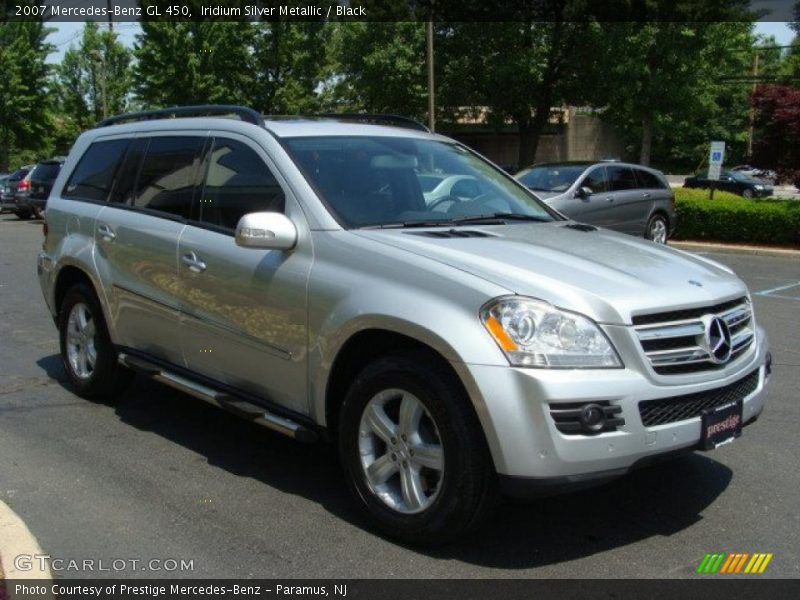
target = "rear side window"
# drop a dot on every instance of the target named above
(621, 178)
(92, 178)
(649, 180)
(167, 177)
(238, 182)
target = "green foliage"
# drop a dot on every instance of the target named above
(24, 96)
(730, 218)
(194, 62)
(93, 80)
(380, 67)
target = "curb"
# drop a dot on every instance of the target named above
(15, 540)
(740, 248)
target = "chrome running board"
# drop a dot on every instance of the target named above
(242, 408)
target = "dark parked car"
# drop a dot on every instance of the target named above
(627, 198)
(32, 200)
(734, 182)
(3, 178)
(18, 179)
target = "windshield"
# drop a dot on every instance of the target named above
(45, 171)
(551, 178)
(402, 182)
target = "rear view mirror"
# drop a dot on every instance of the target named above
(268, 230)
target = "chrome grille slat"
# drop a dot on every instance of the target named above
(676, 345)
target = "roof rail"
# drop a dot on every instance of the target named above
(204, 110)
(376, 118)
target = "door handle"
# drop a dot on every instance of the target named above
(645, 195)
(610, 198)
(106, 232)
(195, 264)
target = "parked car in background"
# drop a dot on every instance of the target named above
(734, 182)
(756, 173)
(41, 182)
(8, 193)
(3, 178)
(625, 197)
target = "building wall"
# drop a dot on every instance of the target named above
(584, 137)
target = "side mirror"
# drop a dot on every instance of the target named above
(583, 192)
(268, 230)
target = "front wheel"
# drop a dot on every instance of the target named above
(89, 357)
(657, 229)
(747, 193)
(23, 215)
(413, 451)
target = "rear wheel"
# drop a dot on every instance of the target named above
(413, 451)
(23, 215)
(89, 357)
(657, 229)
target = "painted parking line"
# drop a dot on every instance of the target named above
(17, 541)
(773, 292)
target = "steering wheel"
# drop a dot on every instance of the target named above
(442, 200)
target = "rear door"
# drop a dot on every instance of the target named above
(655, 193)
(244, 309)
(137, 239)
(625, 201)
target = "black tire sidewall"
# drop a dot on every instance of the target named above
(102, 379)
(467, 474)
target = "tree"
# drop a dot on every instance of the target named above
(194, 62)
(290, 63)
(380, 67)
(94, 78)
(23, 93)
(777, 130)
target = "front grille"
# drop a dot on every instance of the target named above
(690, 406)
(674, 342)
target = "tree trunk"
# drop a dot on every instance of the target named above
(528, 143)
(647, 140)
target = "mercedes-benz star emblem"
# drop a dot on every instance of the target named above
(718, 340)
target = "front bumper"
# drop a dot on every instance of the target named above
(513, 405)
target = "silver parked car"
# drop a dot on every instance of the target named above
(620, 196)
(292, 271)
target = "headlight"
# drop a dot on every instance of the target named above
(533, 333)
(759, 187)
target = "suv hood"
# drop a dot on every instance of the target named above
(606, 275)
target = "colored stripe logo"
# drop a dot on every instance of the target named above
(734, 563)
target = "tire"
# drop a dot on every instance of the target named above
(747, 193)
(23, 215)
(657, 229)
(450, 501)
(87, 353)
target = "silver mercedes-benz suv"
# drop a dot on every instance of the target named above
(304, 274)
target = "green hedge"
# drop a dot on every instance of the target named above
(731, 218)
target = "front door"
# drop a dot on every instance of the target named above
(244, 315)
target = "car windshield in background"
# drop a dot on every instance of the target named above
(401, 182)
(738, 176)
(551, 178)
(46, 170)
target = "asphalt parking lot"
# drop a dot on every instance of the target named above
(159, 475)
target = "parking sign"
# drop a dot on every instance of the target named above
(715, 159)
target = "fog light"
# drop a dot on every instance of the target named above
(592, 418)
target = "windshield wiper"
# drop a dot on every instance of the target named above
(500, 217)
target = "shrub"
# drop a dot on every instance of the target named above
(730, 218)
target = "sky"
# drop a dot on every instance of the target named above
(69, 33)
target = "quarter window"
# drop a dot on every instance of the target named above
(238, 182)
(167, 178)
(92, 178)
(648, 180)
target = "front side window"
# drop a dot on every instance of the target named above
(596, 181)
(92, 178)
(551, 177)
(237, 182)
(385, 181)
(167, 177)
